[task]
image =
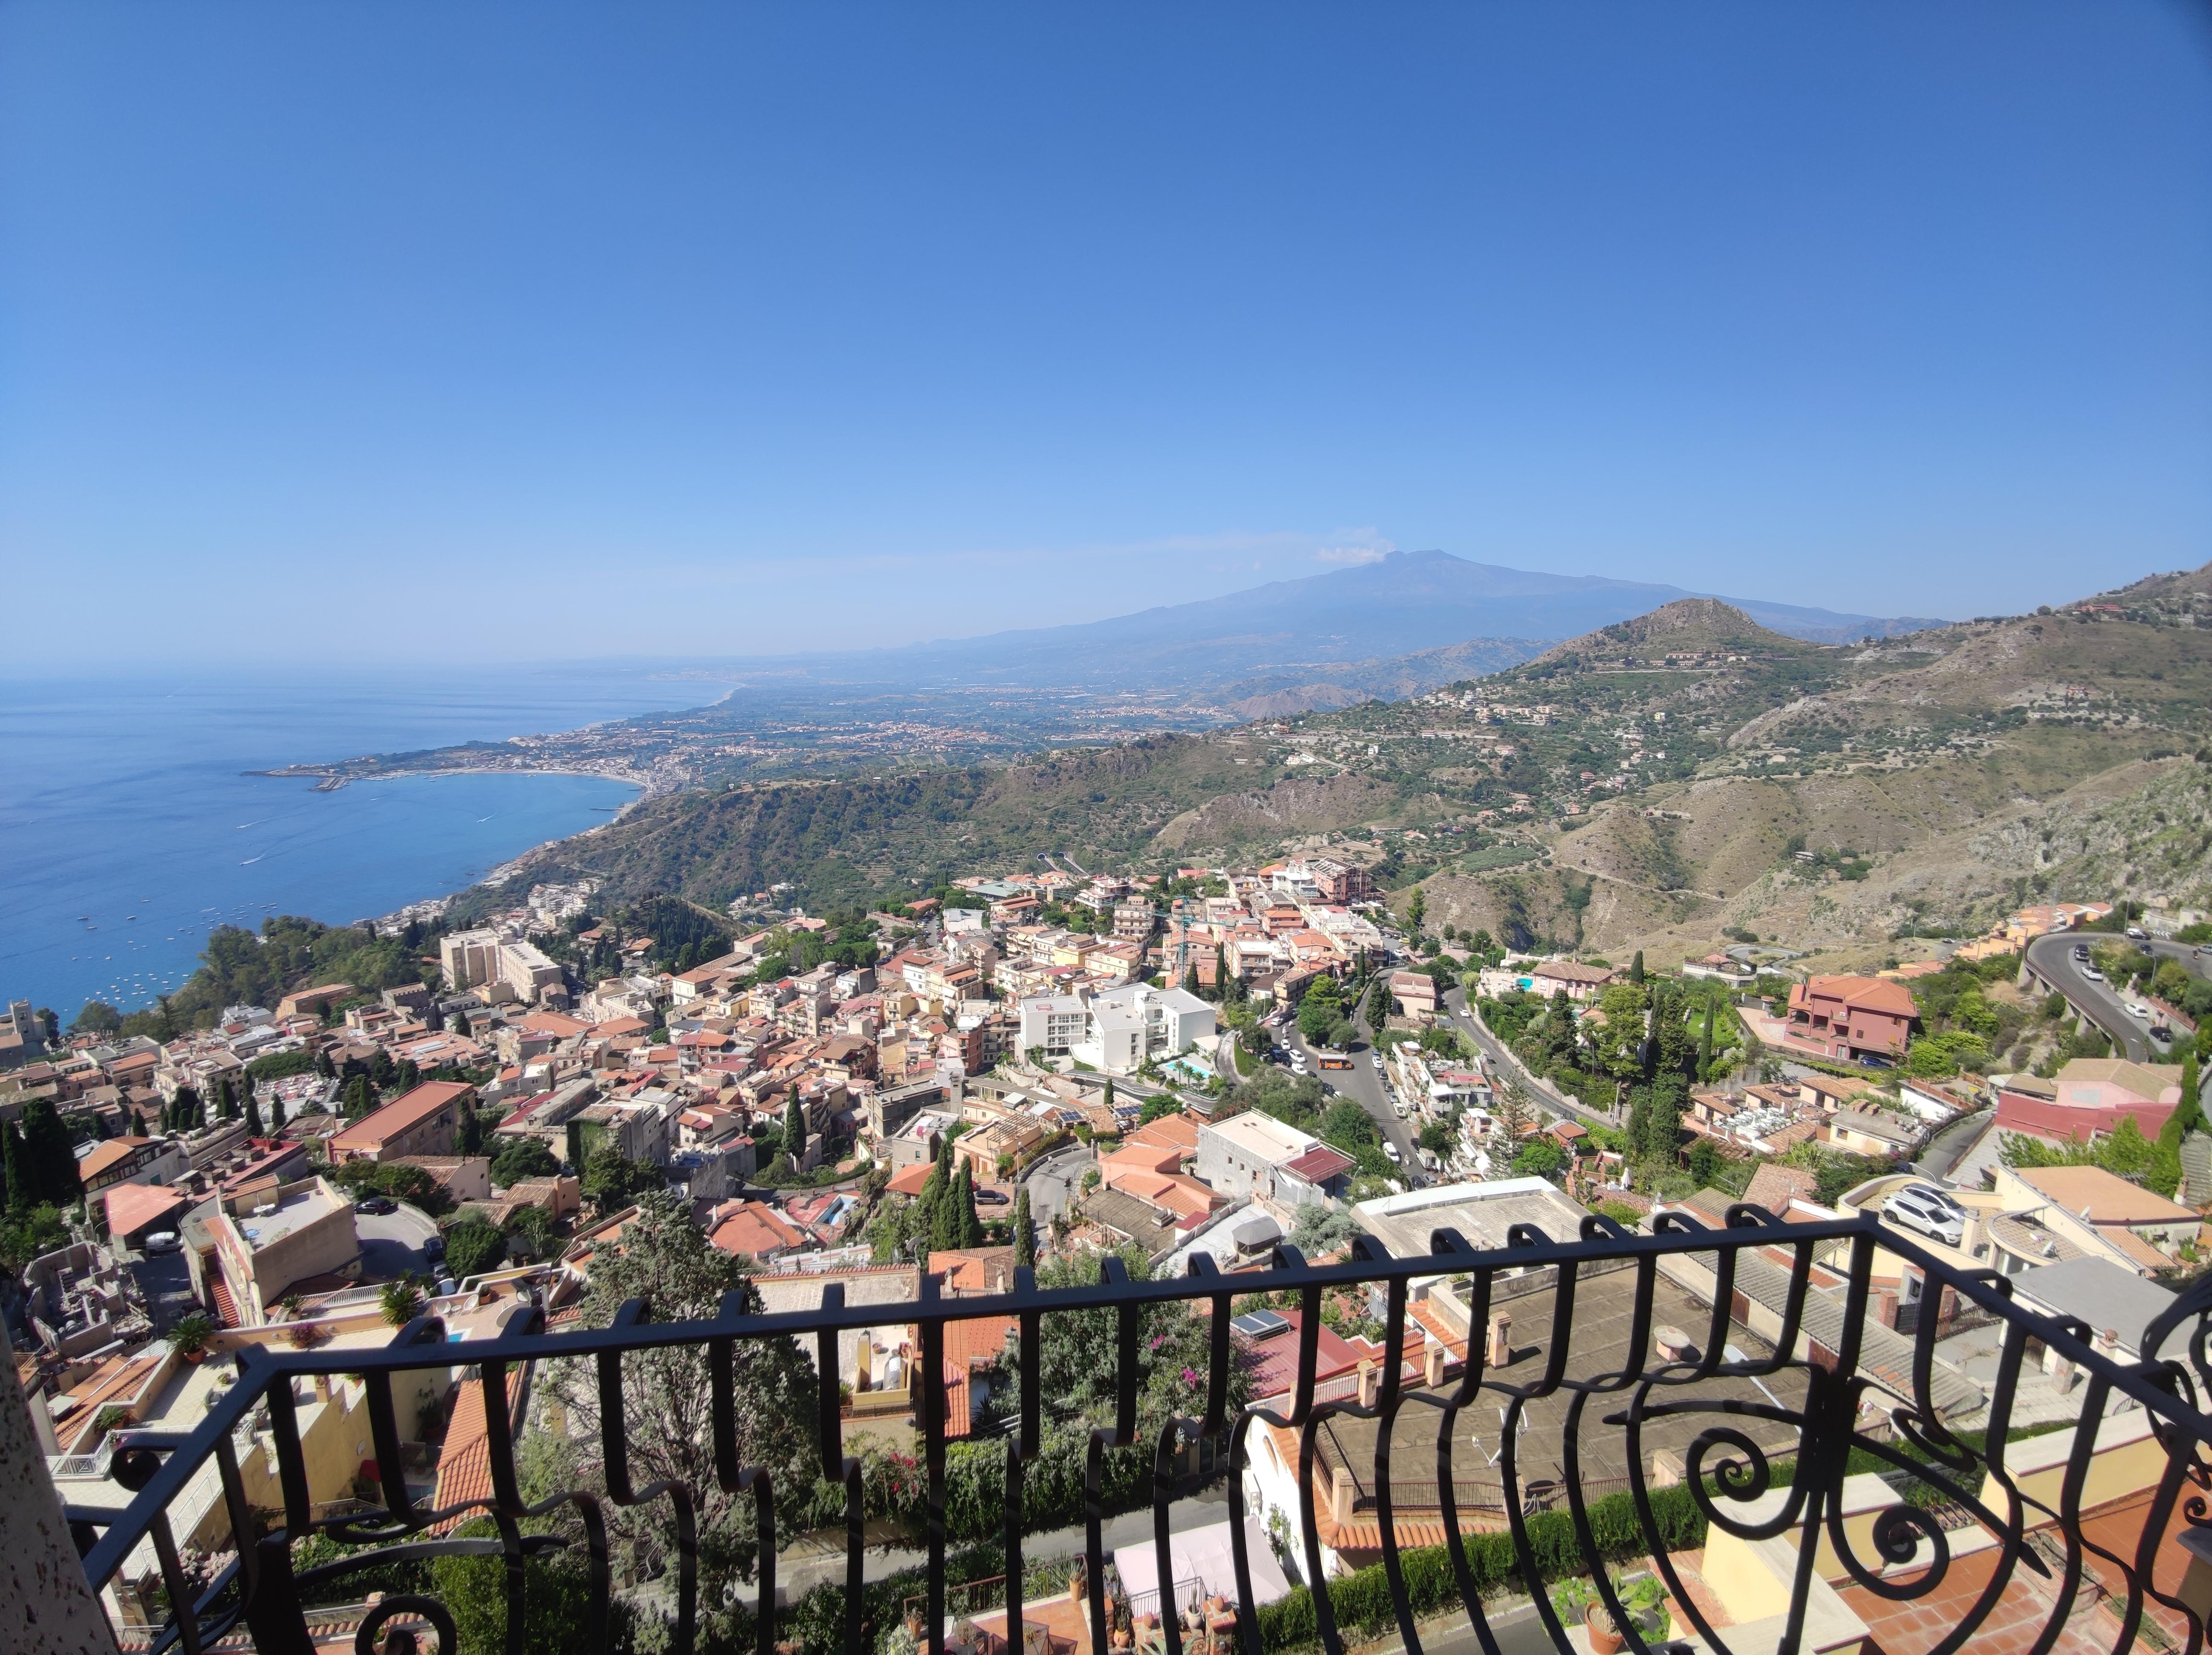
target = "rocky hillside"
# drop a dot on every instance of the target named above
(1660, 783)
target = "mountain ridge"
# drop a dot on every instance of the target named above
(1403, 603)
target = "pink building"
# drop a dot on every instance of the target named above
(2088, 1098)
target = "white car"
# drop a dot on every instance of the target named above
(1391, 1150)
(2137, 1009)
(1929, 1211)
(2139, 933)
(161, 1241)
(2093, 973)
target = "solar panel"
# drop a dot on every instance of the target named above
(1260, 1323)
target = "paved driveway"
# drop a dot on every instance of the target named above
(1054, 1182)
(392, 1243)
(167, 1285)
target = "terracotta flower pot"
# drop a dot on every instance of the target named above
(195, 1357)
(1604, 1636)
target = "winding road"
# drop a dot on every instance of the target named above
(2052, 958)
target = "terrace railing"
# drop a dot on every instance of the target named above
(1836, 1409)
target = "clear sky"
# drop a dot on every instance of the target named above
(402, 331)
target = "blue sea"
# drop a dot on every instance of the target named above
(129, 828)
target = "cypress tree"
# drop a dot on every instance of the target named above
(1190, 979)
(1024, 1230)
(47, 1156)
(252, 1113)
(971, 1221)
(276, 1113)
(1636, 968)
(1109, 1094)
(794, 1129)
(1220, 974)
(325, 1067)
(11, 1147)
(1705, 1045)
(226, 1100)
(183, 1110)
(575, 1146)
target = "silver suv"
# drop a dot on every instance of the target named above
(1924, 1208)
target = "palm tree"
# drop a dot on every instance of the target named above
(400, 1300)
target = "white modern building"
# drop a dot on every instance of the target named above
(1119, 1029)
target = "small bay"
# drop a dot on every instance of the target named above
(129, 826)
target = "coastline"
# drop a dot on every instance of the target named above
(336, 777)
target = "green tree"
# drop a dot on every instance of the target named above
(1705, 1044)
(1109, 1097)
(1077, 1354)
(18, 1189)
(611, 1180)
(1417, 909)
(534, 1230)
(252, 1113)
(401, 1302)
(1636, 969)
(98, 1017)
(666, 1261)
(359, 1097)
(1190, 977)
(48, 1156)
(1318, 1230)
(1540, 1157)
(473, 1246)
(575, 1146)
(226, 1100)
(468, 1139)
(795, 1129)
(1025, 1229)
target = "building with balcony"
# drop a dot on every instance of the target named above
(1853, 1019)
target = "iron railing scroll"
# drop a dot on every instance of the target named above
(1775, 1435)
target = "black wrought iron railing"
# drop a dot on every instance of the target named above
(1783, 1383)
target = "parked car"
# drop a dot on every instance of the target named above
(2161, 1036)
(1391, 1150)
(2093, 973)
(2081, 950)
(376, 1205)
(2137, 1009)
(162, 1241)
(990, 1198)
(1926, 1211)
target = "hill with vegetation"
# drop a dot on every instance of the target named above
(1666, 782)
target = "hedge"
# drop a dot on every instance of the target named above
(1361, 1600)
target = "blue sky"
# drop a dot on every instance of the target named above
(398, 330)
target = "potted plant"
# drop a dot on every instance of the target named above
(189, 1338)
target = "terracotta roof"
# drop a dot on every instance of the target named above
(464, 1463)
(1320, 1164)
(1867, 993)
(409, 1110)
(132, 1207)
(908, 1180)
(2102, 1196)
(112, 1152)
(1774, 1186)
(756, 1228)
